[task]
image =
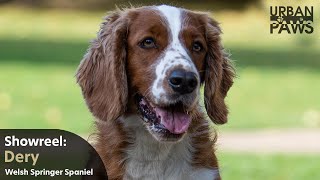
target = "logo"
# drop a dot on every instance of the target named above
(291, 20)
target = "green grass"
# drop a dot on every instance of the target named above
(279, 92)
(274, 98)
(269, 167)
(42, 97)
(277, 84)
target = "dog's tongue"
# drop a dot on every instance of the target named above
(175, 122)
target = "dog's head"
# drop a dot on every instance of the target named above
(154, 60)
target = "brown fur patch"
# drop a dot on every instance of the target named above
(140, 65)
(219, 74)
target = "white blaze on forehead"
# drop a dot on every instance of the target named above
(174, 20)
(173, 16)
(175, 53)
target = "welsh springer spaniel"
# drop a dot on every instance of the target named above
(141, 79)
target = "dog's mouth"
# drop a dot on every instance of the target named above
(166, 123)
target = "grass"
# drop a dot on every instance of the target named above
(39, 78)
(277, 84)
(276, 87)
(274, 98)
(268, 167)
(42, 97)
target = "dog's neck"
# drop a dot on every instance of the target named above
(144, 147)
(147, 158)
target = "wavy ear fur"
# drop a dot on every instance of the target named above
(218, 76)
(101, 74)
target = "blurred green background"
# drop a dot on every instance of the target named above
(278, 83)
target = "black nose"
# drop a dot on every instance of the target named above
(183, 82)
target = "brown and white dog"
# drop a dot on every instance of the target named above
(141, 80)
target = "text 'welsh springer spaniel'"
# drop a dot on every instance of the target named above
(141, 79)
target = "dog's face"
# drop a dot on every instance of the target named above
(157, 58)
(166, 56)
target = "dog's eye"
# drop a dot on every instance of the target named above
(148, 43)
(197, 46)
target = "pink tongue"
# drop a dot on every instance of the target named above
(175, 122)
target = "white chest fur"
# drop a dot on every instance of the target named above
(149, 159)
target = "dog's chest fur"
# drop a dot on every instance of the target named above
(149, 159)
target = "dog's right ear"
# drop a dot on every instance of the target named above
(219, 75)
(101, 73)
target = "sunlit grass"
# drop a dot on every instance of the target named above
(34, 96)
(268, 166)
(42, 97)
(277, 84)
(274, 98)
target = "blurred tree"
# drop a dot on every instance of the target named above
(110, 4)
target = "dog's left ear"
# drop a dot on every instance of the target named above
(101, 74)
(219, 74)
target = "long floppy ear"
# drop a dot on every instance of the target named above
(219, 75)
(101, 74)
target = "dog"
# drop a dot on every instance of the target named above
(141, 80)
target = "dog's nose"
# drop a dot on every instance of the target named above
(182, 81)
